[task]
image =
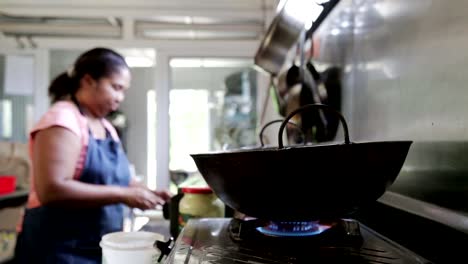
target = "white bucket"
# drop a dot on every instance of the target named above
(130, 247)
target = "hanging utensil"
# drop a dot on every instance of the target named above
(292, 18)
(310, 95)
(281, 35)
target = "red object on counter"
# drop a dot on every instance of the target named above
(7, 184)
(199, 190)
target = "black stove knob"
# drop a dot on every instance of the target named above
(164, 247)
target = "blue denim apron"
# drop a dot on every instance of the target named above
(72, 235)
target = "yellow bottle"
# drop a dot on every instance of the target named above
(199, 202)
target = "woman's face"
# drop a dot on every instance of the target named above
(106, 94)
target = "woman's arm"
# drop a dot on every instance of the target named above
(56, 153)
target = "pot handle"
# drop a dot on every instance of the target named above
(278, 121)
(308, 107)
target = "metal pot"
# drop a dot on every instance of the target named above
(303, 182)
(292, 19)
(282, 34)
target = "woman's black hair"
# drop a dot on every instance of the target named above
(97, 62)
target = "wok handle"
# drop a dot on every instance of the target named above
(308, 107)
(278, 121)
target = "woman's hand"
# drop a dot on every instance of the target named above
(165, 195)
(142, 198)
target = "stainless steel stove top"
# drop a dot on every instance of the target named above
(219, 240)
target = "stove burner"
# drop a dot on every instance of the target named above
(293, 228)
(298, 233)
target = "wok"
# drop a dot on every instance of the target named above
(309, 182)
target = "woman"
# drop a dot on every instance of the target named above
(80, 175)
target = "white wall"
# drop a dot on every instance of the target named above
(135, 108)
(61, 60)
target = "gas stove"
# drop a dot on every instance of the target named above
(231, 240)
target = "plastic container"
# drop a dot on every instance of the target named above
(130, 247)
(198, 202)
(7, 184)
